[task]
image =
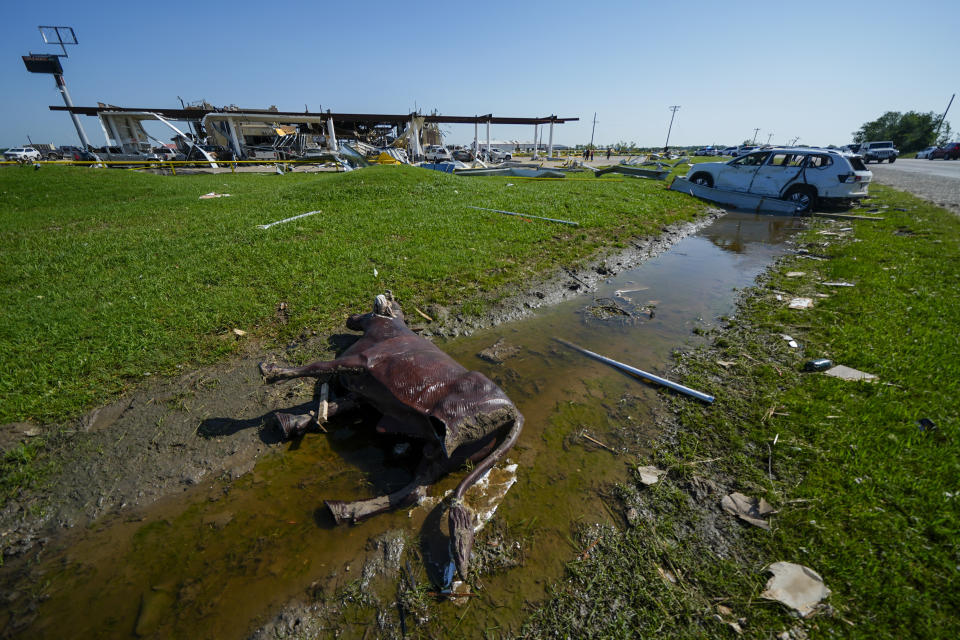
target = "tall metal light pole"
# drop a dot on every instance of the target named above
(768, 138)
(50, 63)
(755, 132)
(673, 112)
(592, 131)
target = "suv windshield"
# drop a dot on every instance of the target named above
(881, 145)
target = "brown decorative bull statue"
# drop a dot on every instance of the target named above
(424, 394)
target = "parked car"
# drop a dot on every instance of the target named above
(925, 154)
(22, 154)
(464, 155)
(437, 153)
(705, 151)
(879, 151)
(729, 151)
(498, 155)
(744, 150)
(949, 151)
(800, 175)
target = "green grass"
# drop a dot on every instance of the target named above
(110, 275)
(865, 497)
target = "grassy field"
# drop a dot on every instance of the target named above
(867, 495)
(111, 276)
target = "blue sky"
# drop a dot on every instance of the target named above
(810, 70)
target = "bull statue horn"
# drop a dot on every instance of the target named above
(382, 306)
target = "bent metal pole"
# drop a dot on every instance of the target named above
(638, 372)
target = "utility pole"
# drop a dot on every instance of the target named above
(755, 132)
(592, 131)
(768, 138)
(942, 117)
(673, 112)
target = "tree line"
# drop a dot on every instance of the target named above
(910, 131)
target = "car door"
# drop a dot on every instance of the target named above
(737, 175)
(780, 169)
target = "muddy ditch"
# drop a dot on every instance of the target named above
(199, 440)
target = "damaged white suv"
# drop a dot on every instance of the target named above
(802, 175)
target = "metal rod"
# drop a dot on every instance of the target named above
(62, 87)
(638, 372)
(524, 215)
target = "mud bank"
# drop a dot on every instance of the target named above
(175, 435)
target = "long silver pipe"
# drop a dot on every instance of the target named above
(638, 372)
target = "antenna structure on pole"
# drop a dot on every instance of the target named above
(50, 63)
(673, 112)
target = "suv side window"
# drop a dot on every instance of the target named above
(751, 160)
(786, 160)
(819, 161)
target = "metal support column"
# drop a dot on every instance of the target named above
(550, 144)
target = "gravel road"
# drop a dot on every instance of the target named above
(934, 180)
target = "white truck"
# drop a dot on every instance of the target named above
(879, 151)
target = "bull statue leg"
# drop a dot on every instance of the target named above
(321, 369)
(429, 471)
(293, 424)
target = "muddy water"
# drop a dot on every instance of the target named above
(218, 560)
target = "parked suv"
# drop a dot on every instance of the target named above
(949, 151)
(878, 151)
(801, 175)
(22, 154)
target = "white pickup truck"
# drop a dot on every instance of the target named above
(879, 151)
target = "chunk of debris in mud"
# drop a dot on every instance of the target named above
(748, 509)
(796, 274)
(386, 552)
(848, 373)
(796, 586)
(790, 341)
(801, 303)
(498, 352)
(650, 475)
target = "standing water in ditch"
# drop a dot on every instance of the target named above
(223, 559)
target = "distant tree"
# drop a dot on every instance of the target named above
(910, 131)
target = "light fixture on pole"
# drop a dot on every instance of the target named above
(50, 63)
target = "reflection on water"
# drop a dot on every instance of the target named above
(219, 561)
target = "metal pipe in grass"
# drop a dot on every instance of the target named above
(639, 372)
(524, 215)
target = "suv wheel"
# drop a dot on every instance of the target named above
(892, 159)
(802, 196)
(704, 179)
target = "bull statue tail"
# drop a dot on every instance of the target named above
(461, 515)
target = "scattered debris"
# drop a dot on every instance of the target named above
(837, 284)
(587, 436)
(847, 373)
(650, 475)
(302, 215)
(667, 575)
(640, 373)
(214, 194)
(801, 303)
(726, 364)
(423, 315)
(820, 364)
(846, 216)
(524, 215)
(796, 586)
(926, 424)
(748, 509)
(790, 341)
(498, 352)
(796, 274)
(239, 333)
